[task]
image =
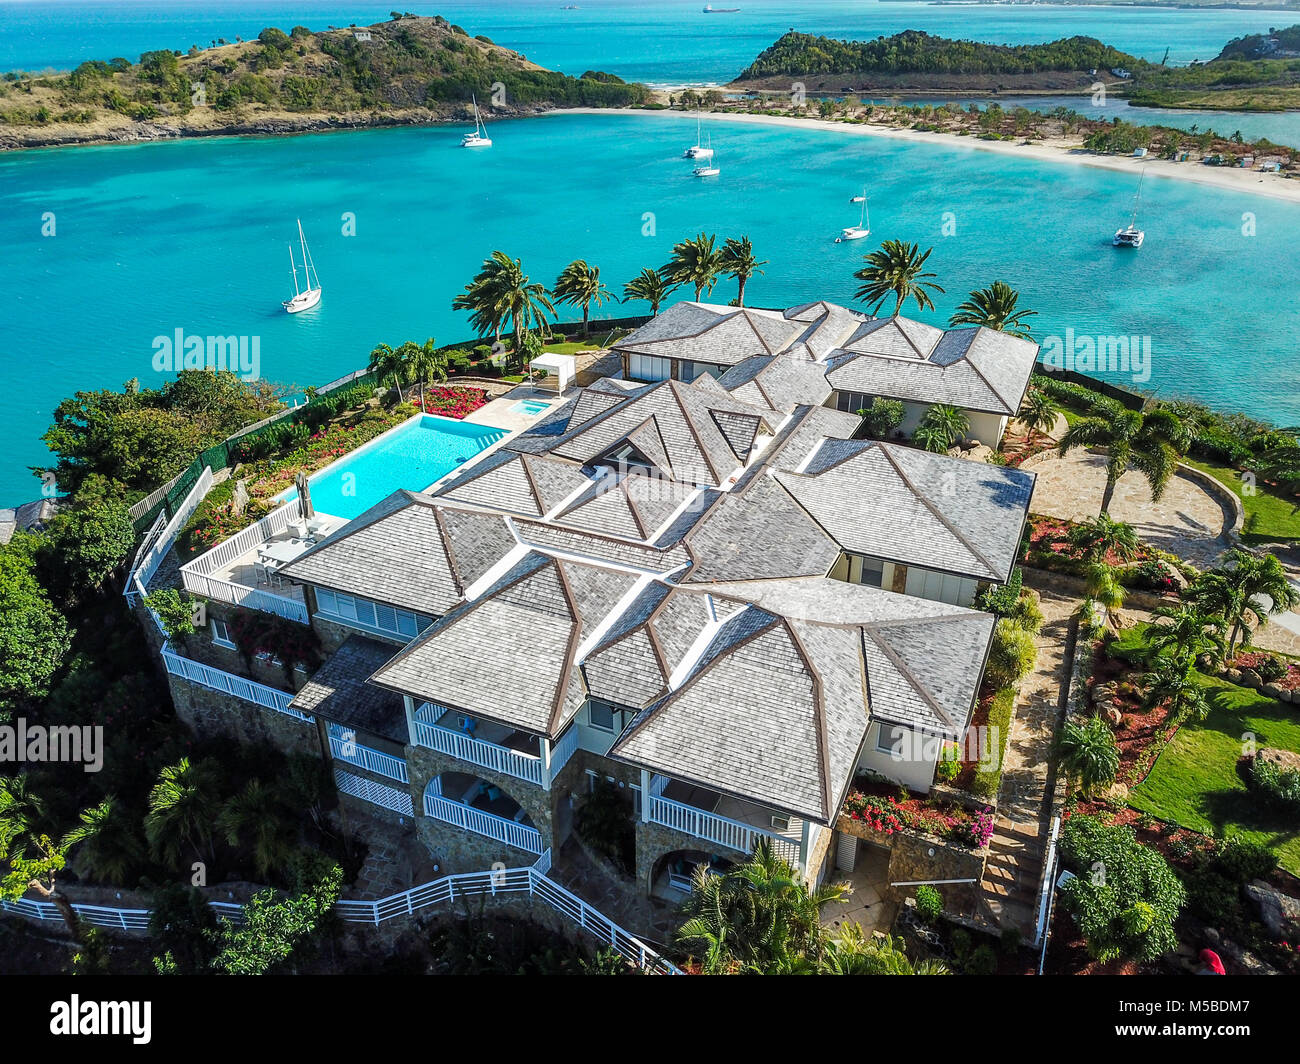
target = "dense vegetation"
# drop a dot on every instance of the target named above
(913, 51)
(407, 63)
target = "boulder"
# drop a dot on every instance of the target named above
(239, 498)
(1286, 760)
(1250, 678)
(1279, 912)
(1232, 675)
(1113, 716)
(1272, 690)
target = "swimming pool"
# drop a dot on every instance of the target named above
(411, 456)
(529, 406)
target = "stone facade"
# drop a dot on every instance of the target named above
(214, 713)
(925, 858)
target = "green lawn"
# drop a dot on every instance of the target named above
(573, 349)
(1195, 781)
(1276, 515)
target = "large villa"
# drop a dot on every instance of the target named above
(690, 580)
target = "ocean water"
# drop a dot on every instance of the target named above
(660, 42)
(412, 456)
(192, 235)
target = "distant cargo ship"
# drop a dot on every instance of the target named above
(709, 9)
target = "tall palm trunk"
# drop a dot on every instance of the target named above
(740, 294)
(1108, 495)
(60, 901)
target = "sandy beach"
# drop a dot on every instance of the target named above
(1058, 150)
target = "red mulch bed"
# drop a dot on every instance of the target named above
(1139, 726)
(1251, 660)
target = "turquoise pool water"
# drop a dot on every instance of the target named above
(411, 456)
(529, 406)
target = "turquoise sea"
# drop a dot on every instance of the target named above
(192, 235)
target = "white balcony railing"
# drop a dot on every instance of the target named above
(721, 830)
(344, 747)
(198, 579)
(376, 793)
(480, 822)
(227, 682)
(527, 767)
(563, 750)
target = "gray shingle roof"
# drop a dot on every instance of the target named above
(710, 333)
(910, 506)
(338, 691)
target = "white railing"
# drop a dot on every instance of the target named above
(722, 830)
(198, 579)
(344, 747)
(481, 822)
(563, 750)
(532, 880)
(1046, 882)
(227, 682)
(376, 793)
(543, 863)
(158, 540)
(135, 586)
(527, 767)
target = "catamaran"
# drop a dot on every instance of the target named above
(308, 296)
(1132, 236)
(479, 138)
(699, 150)
(863, 228)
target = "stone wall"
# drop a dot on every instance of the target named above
(915, 857)
(211, 713)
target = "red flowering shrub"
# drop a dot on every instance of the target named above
(456, 401)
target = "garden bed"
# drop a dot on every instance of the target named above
(882, 808)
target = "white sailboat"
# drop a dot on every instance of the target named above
(707, 168)
(1132, 236)
(309, 295)
(479, 138)
(698, 150)
(863, 228)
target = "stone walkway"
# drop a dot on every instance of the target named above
(395, 859)
(867, 906)
(1015, 862)
(1188, 520)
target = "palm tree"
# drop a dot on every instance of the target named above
(895, 270)
(941, 427)
(1242, 590)
(108, 840)
(1088, 753)
(389, 365)
(183, 809)
(1102, 586)
(1176, 683)
(426, 363)
(737, 260)
(580, 285)
(995, 308)
(694, 262)
(1147, 442)
(256, 818)
(852, 953)
(758, 917)
(29, 858)
(1186, 633)
(1102, 537)
(648, 285)
(501, 292)
(1038, 413)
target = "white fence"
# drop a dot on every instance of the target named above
(227, 682)
(502, 759)
(374, 792)
(481, 822)
(722, 830)
(159, 541)
(344, 747)
(563, 750)
(198, 579)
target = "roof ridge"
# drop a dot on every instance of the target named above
(924, 501)
(819, 715)
(911, 678)
(690, 424)
(453, 563)
(979, 373)
(571, 647)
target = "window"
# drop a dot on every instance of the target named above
(221, 635)
(646, 368)
(870, 571)
(601, 715)
(891, 737)
(940, 587)
(694, 370)
(373, 615)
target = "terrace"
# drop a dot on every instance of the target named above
(516, 753)
(725, 821)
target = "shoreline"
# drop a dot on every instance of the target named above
(1255, 182)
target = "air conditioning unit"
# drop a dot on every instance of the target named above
(781, 823)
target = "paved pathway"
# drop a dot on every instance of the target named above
(868, 905)
(1188, 520)
(1015, 862)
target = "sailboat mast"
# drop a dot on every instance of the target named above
(293, 269)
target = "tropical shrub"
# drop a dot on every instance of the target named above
(1124, 896)
(882, 418)
(929, 904)
(1011, 655)
(1275, 786)
(1270, 669)
(1001, 599)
